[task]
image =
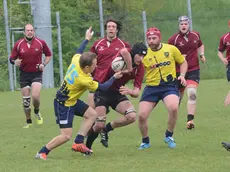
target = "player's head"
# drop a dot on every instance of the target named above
(138, 51)
(88, 62)
(183, 24)
(153, 36)
(29, 32)
(112, 28)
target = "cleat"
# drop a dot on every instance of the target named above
(80, 147)
(144, 146)
(27, 125)
(41, 156)
(39, 118)
(170, 141)
(190, 125)
(226, 145)
(87, 153)
(104, 139)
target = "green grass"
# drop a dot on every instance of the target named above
(197, 150)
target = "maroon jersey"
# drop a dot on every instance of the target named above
(225, 45)
(188, 45)
(105, 51)
(31, 56)
(136, 75)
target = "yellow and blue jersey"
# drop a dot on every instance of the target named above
(160, 65)
(75, 83)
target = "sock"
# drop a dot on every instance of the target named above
(108, 128)
(79, 139)
(36, 111)
(145, 140)
(44, 150)
(91, 137)
(190, 117)
(168, 134)
(29, 121)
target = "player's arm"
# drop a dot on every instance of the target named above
(180, 59)
(88, 37)
(94, 85)
(14, 60)
(136, 84)
(127, 58)
(221, 49)
(48, 56)
(124, 90)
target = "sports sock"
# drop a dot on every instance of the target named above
(36, 111)
(190, 117)
(107, 128)
(44, 150)
(168, 134)
(91, 137)
(29, 121)
(79, 139)
(145, 140)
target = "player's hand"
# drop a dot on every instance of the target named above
(124, 90)
(18, 62)
(89, 33)
(40, 67)
(118, 75)
(225, 61)
(203, 59)
(227, 100)
(182, 80)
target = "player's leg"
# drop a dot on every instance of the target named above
(90, 100)
(145, 108)
(36, 87)
(25, 91)
(122, 105)
(89, 117)
(35, 94)
(171, 101)
(148, 101)
(192, 85)
(64, 117)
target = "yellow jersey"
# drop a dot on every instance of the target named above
(75, 83)
(160, 66)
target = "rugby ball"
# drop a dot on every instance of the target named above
(118, 64)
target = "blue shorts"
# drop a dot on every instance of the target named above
(157, 93)
(64, 114)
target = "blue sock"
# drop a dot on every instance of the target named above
(168, 134)
(145, 140)
(44, 150)
(79, 139)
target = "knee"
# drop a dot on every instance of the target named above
(131, 117)
(36, 96)
(142, 116)
(67, 137)
(90, 114)
(192, 95)
(98, 126)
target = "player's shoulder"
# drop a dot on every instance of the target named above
(20, 41)
(99, 41)
(168, 46)
(195, 33)
(174, 36)
(39, 40)
(225, 35)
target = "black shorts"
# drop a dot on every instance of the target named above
(108, 98)
(65, 114)
(228, 72)
(27, 78)
(190, 76)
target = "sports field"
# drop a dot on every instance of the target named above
(198, 150)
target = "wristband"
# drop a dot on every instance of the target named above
(182, 74)
(44, 64)
(201, 55)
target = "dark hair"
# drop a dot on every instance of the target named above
(87, 58)
(139, 48)
(118, 23)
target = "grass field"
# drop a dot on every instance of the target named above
(197, 150)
